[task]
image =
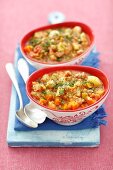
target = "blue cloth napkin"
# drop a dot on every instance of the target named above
(95, 120)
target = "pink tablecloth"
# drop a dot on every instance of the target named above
(18, 17)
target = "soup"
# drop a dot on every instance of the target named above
(57, 45)
(67, 90)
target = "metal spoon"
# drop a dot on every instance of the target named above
(30, 109)
(34, 113)
(23, 69)
(20, 114)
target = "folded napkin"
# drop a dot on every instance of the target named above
(95, 120)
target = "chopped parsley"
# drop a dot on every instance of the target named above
(33, 41)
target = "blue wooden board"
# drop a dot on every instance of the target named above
(48, 138)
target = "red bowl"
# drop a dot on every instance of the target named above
(76, 60)
(69, 117)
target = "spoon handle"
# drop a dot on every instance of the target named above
(23, 69)
(11, 72)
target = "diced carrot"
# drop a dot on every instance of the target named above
(92, 95)
(37, 97)
(52, 105)
(84, 105)
(49, 96)
(97, 96)
(75, 105)
(90, 101)
(67, 73)
(43, 101)
(28, 48)
(57, 101)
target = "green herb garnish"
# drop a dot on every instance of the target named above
(71, 84)
(33, 41)
(44, 92)
(61, 91)
(59, 59)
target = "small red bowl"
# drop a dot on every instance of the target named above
(76, 60)
(69, 117)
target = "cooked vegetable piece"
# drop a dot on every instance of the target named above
(95, 80)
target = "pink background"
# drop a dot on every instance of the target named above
(18, 17)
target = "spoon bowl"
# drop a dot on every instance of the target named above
(23, 118)
(34, 113)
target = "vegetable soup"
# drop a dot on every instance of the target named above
(67, 90)
(57, 45)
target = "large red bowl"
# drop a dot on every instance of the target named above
(69, 117)
(76, 60)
